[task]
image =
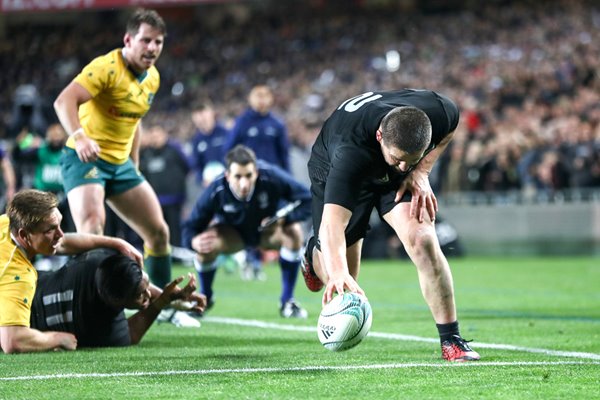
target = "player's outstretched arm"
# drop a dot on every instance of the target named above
(75, 243)
(22, 339)
(333, 247)
(140, 322)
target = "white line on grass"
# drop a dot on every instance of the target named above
(410, 338)
(296, 369)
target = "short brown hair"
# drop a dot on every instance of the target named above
(407, 128)
(29, 208)
(144, 16)
(240, 154)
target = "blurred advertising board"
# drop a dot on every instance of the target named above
(7, 6)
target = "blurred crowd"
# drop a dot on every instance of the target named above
(525, 75)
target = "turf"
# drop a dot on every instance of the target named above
(535, 321)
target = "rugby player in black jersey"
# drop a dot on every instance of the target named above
(377, 150)
(87, 297)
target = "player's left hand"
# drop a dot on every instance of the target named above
(195, 301)
(423, 199)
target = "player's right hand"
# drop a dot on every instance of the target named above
(66, 341)
(87, 149)
(338, 283)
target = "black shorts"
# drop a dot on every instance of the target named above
(372, 196)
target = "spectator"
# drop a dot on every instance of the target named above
(45, 158)
(208, 143)
(258, 129)
(8, 178)
(523, 66)
(27, 110)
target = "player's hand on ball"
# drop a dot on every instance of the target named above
(339, 283)
(344, 322)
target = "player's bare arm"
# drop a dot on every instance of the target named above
(333, 248)
(66, 106)
(417, 182)
(75, 243)
(135, 146)
(140, 322)
(22, 339)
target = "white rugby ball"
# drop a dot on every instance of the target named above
(344, 322)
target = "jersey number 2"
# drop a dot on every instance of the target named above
(357, 102)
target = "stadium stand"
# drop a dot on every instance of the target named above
(525, 75)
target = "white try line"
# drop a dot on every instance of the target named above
(410, 338)
(296, 328)
(295, 369)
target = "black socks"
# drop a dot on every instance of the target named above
(446, 331)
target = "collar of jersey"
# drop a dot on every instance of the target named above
(18, 245)
(247, 199)
(139, 77)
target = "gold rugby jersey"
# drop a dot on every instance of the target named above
(120, 99)
(18, 279)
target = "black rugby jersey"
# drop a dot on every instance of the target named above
(346, 154)
(67, 300)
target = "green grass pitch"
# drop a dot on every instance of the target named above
(535, 321)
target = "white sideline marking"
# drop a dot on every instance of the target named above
(297, 369)
(410, 338)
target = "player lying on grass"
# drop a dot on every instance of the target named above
(87, 298)
(232, 213)
(376, 151)
(31, 226)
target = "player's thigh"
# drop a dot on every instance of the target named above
(407, 228)
(139, 208)
(359, 221)
(84, 185)
(230, 240)
(292, 236)
(353, 256)
(289, 236)
(76, 173)
(87, 202)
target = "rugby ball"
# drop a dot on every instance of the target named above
(344, 322)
